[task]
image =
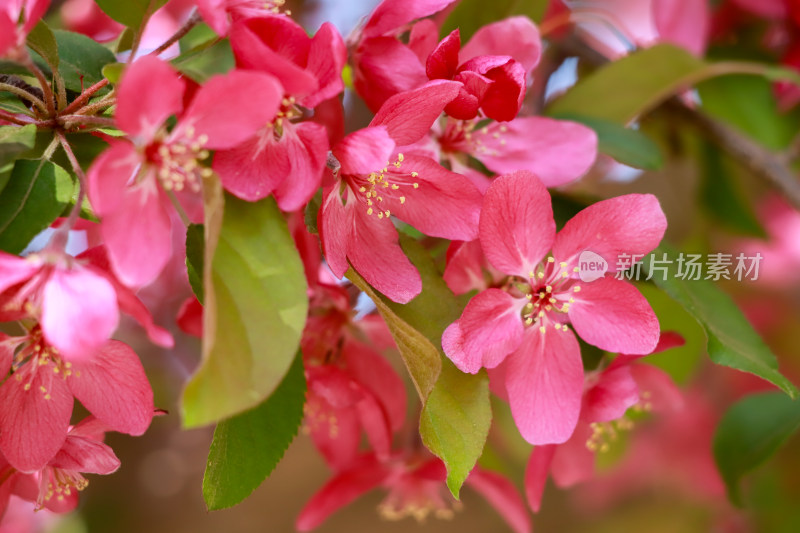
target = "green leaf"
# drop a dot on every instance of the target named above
(721, 198)
(15, 141)
(82, 59)
(628, 146)
(247, 447)
(622, 90)
(131, 13)
(195, 247)
(732, 341)
(34, 197)
(470, 15)
(455, 421)
(456, 413)
(748, 103)
(113, 72)
(749, 433)
(255, 307)
(42, 40)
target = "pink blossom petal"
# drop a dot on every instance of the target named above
(326, 59)
(544, 380)
(33, 422)
(516, 226)
(336, 433)
(683, 23)
(364, 475)
(15, 269)
(114, 388)
(423, 38)
(444, 204)
(612, 395)
(408, 116)
(79, 312)
(139, 250)
(81, 454)
(384, 67)
(573, 462)
(631, 224)
(291, 167)
(658, 390)
(8, 38)
(109, 176)
(8, 345)
(393, 14)
(127, 300)
(376, 425)
(190, 317)
(536, 474)
(503, 496)
(217, 111)
(443, 61)
(148, 94)
(464, 270)
(517, 37)
(374, 251)
(376, 374)
(489, 329)
(276, 46)
(613, 315)
(215, 15)
(335, 223)
(365, 150)
(557, 151)
(503, 98)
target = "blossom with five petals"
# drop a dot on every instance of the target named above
(521, 333)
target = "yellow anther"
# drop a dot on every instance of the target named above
(551, 260)
(549, 288)
(369, 211)
(415, 185)
(542, 329)
(402, 199)
(576, 288)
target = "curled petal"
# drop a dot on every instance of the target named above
(517, 37)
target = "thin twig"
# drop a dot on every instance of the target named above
(49, 99)
(190, 23)
(84, 97)
(8, 117)
(60, 237)
(23, 94)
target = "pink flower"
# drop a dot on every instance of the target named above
(221, 14)
(36, 400)
(416, 487)
(86, 17)
(287, 156)
(607, 395)
(12, 12)
(128, 183)
(557, 151)
(76, 300)
(520, 331)
(375, 181)
(55, 486)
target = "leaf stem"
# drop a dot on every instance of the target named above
(8, 117)
(61, 235)
(25, 95)
(84, 97)
(49, 99)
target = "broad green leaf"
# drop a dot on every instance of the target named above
(455, 421)
(113, 72)
(748, 103)
(470, 15)
(247, 447)
(15, 140)
(732, 341)
(624, 89)
(456, 412)
(628, 146)
(749, 433)
(42, 40)
(255, 307)
(195, 246)
(721, 197)
(131, 13)
(82, 59)
(33, 198)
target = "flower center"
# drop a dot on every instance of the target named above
(178, 161)
(59, 483)
(550, 291)
(384, 187)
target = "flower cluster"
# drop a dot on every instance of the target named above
(453, 154)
